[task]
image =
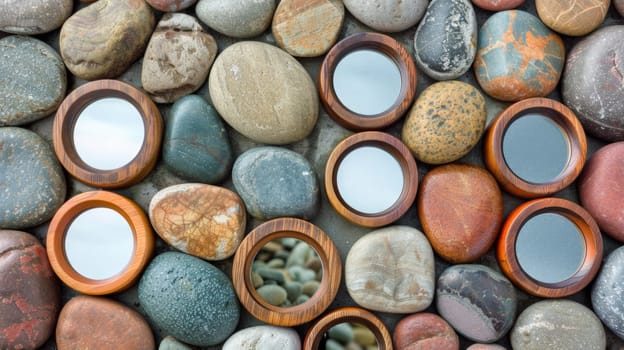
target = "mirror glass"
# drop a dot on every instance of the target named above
(109, 133)
(351, 336)
(99, 243)
(367, 82)
(369, 179)
(550, 248)
(286, 272)
(535, 148)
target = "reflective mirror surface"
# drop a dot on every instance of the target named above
(367, 82)
(535, 148)
(109, 133)
(352, 336)
(99, 243)
(550, 248)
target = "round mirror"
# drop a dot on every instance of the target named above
(348, 335)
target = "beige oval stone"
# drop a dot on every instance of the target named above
(307, 28)
(391, 270)
(202, 220)
(263, 93)
(572, 17)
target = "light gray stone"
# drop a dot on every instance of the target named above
(387, 15)
(239, 19)
(264, 338)
(33, 16)
(608, 291)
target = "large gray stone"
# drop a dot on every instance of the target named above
(387, 15)
(608, 290)
(33, 16)
(238, 19)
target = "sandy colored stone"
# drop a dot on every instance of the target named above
(33, 16)
(572, 17)
(387, 15)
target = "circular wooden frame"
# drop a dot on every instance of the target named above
(141, 230)
(373, 41)
(63, 135)
(314, 336)
(389, 144)
(506, 251)
(557, 112)
(258, 238)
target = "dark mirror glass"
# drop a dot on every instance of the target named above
(351, 336)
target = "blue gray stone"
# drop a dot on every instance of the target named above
(608, 291)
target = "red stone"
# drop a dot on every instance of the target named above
(424, 331)
(497, 5)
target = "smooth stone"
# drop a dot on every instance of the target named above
(257, 280)
(293, 290)
(458, 232)
(33, 16)
(307, 28)
(196, 145)
(177, 59)
(202, 220)
(171, 5)
(606, 295)
(424, 331)
(486, 347)
(363, 335)
(497, 5)
(342, 332)
(276, 182)
(263, 93)
(271, 274)
(310, 287)
(391, 270)
(558, 324)
(299, 254)
(238, 19)
(301, 299)
(171, 343)
(601, 189)
(88, 322)
(189, 299)
(593, 83)
(32, 80)
(103, 39)
(445, 123)
(387, 15)
(30, 293)
(264, 338)
(273, 294)
(477, 301)
(445, 42)
(276, 263)
(32, 182)
(619, 6)
(518, 57)
(572, 17)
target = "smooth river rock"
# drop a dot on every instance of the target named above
(424, 331)
(606, 296)
(171, 343)
(518, 57)
(32, 80)
(264, 93)
(593, 83)
(103, 39)
(88, 322)
(30, 293)
(391, 270)
(276, 182)
(33, 16)
(477, 301)
(387, 15)
(264, 338)
(572, 17)
(445, 42)
(558, 324)
(171, 5)
(238, 19)
(177, 59)
(189, 299)
(32, 182)
(497, 5)
(486, 347)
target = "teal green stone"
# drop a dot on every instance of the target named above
(341, 332)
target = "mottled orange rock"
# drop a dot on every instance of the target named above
(572, 17)
(424, 331)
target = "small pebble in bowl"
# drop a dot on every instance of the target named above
(349, 336)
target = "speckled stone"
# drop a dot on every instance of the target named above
(171, 5)
(103, 39)
(32, 183)
(391, 270)
(445, 42)
(387, 15)
(424, 331)
(196, 145)
(307, 28)
(477, 301)
(32, 80)
(177, 59)
(264, 337)
(33, 16)
(460, 207)
(518, 56)
(607, 292)
(619, 6)
(189, 299)
(445, 123)
(572, 17)
(593, 83)
(171, 343)
(29, 292)
(88, 322)
(486, 347)
(202, 220)
(238, 19)
(558, 324)
(275, 182)
(497, 5)
(264, 93)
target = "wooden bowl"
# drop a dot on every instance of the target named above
(564, 118)
(383, 44)
(67, 116)
(406, 161)
(258, 238)
(141, 230)
(315, 334)
(506, 251)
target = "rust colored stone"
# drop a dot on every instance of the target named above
(424, 331)
(572, 17)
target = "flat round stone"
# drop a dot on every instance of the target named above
(264, 337)
(606, 295)
(572, 17)
(424, 331)
(497, 5)
(238, 19)
(33, 16)
(387, 15)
